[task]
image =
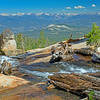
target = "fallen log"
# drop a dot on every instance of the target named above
(85, 52)
(77, 83)
(95, 81)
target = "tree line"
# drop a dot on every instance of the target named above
(28, 43)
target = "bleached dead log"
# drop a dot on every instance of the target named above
(85, 52)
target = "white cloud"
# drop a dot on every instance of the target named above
(93, 5)
(79, 7)
(68, 7)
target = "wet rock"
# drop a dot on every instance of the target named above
(55, 58)
(6, 68)
(8, 43)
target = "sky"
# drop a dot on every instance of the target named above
(49, 6)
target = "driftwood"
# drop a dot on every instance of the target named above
(64, 51)
(73, 40)
(85, 52)
(61, 52)
(80, 84)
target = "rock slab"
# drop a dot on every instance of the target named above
(8, 43)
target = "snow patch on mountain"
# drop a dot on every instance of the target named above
(58, 27)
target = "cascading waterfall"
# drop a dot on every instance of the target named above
(12, 61)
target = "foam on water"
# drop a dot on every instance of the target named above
(64, 68)
(37, 73)
(71, 68)
(12, 61)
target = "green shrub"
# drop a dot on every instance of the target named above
(91, 95)
(94, 36)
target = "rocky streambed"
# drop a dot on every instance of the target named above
(32, 69)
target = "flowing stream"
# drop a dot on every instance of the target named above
(40, 71)
(13, 62)
(43, 70)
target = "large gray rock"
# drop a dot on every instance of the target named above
(8, 43)
(98, 50)
(96, 56)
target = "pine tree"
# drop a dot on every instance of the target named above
(94, 35)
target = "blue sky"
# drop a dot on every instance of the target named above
(51, 6)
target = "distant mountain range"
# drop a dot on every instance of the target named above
(29, 22)
(56, 27)
(59, 32)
